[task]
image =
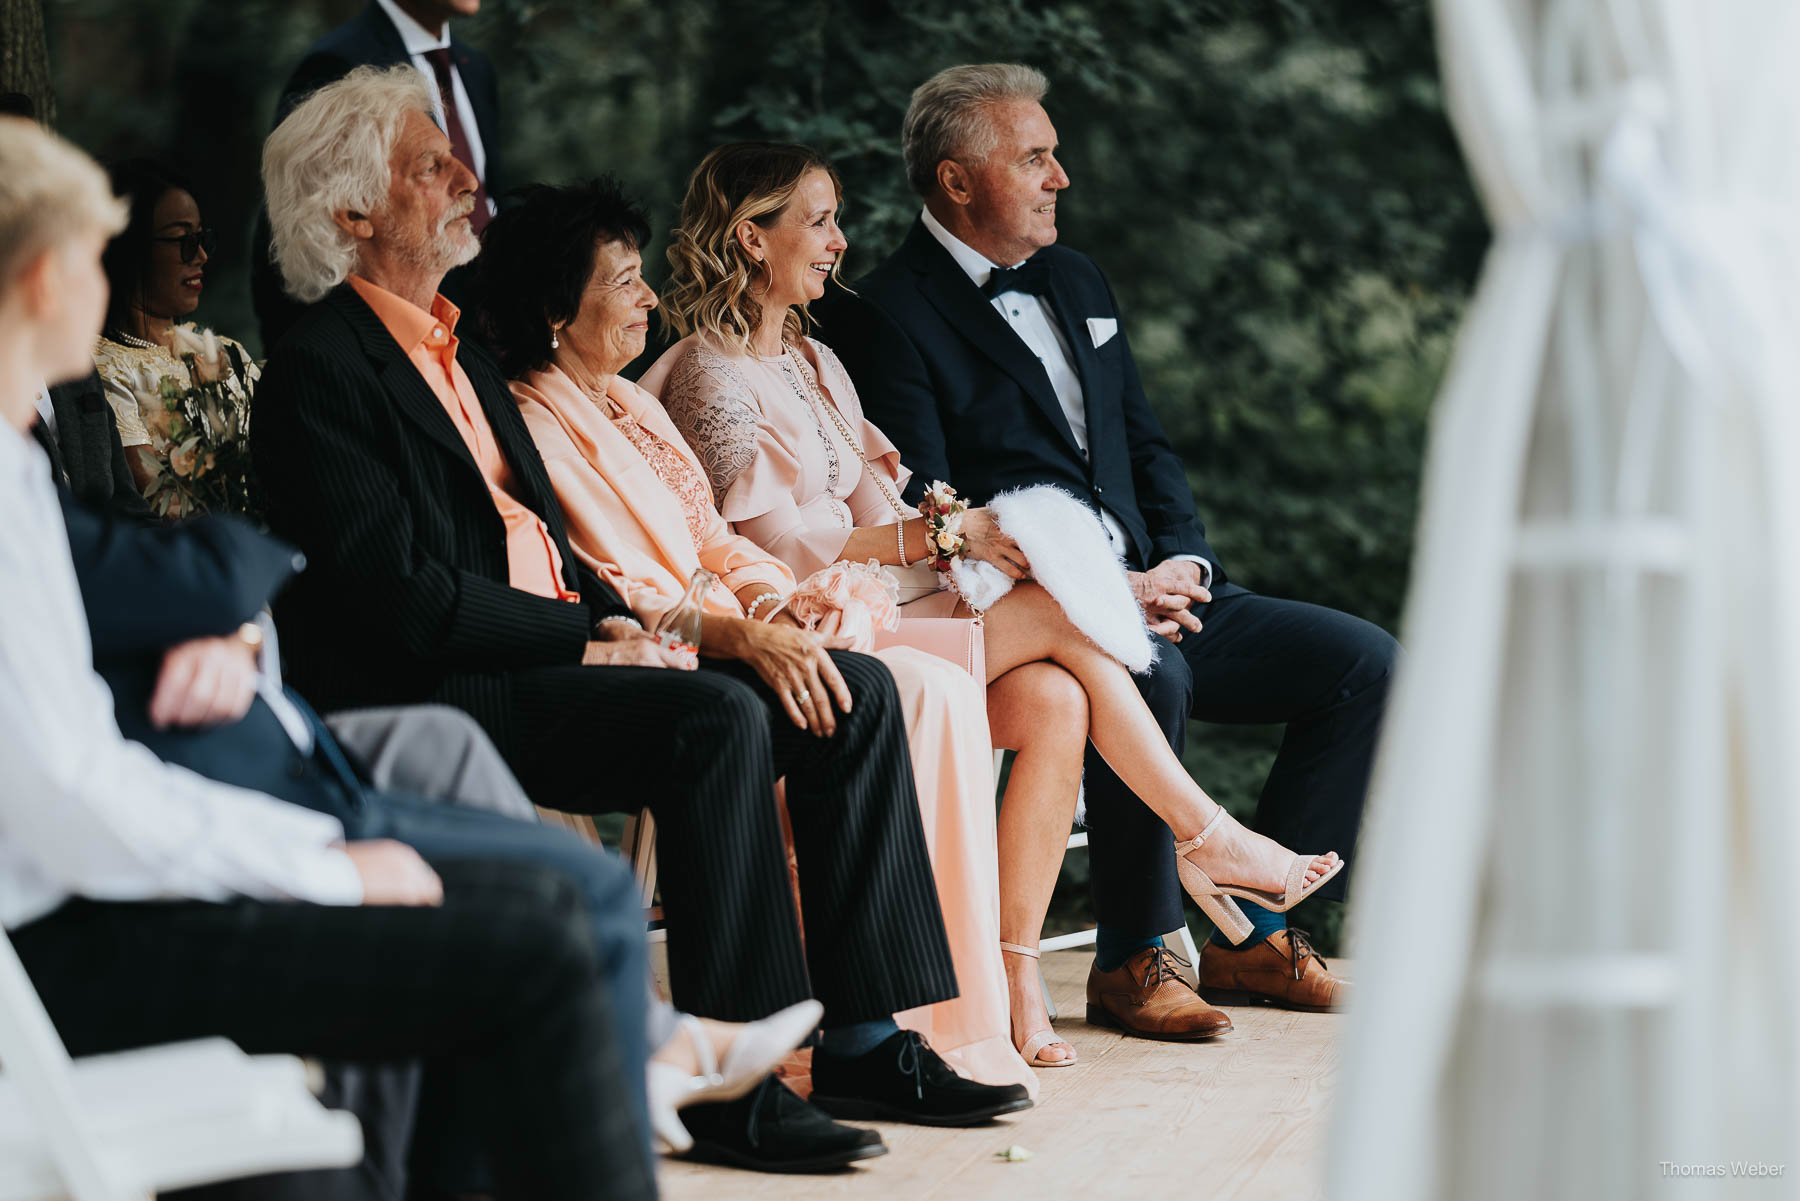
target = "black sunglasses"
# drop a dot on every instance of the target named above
(193, 243)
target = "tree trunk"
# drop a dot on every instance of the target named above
(24, 57)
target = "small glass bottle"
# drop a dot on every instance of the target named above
(679, 628)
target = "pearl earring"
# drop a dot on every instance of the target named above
(553, 342)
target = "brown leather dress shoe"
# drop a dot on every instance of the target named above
(1148, 997)
(1281, 970)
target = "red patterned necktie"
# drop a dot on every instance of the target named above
(459, 138)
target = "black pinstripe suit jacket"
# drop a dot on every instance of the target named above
(405, 598)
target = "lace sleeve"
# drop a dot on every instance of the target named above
(126, 414)
(711, 403)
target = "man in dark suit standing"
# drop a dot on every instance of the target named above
(995, 358)
(466, 106)
(395, 457)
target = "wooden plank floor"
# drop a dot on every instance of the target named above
(1240, 1118)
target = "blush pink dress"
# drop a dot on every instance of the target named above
(639, 509)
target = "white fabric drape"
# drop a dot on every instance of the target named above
(1576, 973)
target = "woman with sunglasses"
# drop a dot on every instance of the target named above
(157, 269)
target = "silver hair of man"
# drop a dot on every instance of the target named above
(948, 116)
(330, 154)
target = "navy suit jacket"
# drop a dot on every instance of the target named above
(147, 588)
(966, 401)
(369, 39)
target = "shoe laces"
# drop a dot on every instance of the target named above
(1163, 964)
(1300, 949)
(916, 1059)
(758, 1099)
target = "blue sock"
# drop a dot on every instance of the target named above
(858, 1038)
(1112, 948)
(1262, 921)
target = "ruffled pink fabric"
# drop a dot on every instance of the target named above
(850, 600)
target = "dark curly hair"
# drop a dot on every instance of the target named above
(142, 182)
(537, 257)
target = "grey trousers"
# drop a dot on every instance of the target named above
(432, 751)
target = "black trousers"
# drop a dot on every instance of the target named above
(499, 986)
(702, 751)
(1262, 661)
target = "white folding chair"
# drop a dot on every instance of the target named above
(121, 1127)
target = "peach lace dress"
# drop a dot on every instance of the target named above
(645, 536)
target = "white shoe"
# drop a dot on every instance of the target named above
(756, 1049)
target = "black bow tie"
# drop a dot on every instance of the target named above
(1032, 276)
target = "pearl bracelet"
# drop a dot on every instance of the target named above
(750, 613)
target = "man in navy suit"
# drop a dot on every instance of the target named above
(994, 359)
(387, 33)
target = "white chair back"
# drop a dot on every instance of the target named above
(33, 1058)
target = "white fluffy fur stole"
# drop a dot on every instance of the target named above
(1072, 558)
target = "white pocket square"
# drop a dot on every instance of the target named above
(1102, 329)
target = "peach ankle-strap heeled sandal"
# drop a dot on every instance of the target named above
(1035, 1043)
(1215, 900)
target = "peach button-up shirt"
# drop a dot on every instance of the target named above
(430, 342)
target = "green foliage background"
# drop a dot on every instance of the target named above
(1270, 184)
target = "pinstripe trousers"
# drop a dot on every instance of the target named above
(702, 751)
(499, 988)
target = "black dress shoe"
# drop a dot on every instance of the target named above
(769, 1129)
(904, 1080)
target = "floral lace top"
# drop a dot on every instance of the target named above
(120, 365)
(783, 441)
(674, 470)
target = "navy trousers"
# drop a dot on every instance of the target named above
(1258, 661)
(449, 834)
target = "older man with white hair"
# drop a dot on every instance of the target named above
(394, 455)
(995, 358)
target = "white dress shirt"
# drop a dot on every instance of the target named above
(418, 40)
(1030, 318)
(46, 410)
(85, 813)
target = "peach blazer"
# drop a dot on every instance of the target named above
(623, 521)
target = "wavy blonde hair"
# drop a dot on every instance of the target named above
(709, 288)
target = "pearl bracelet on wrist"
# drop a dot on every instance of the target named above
(771, 595)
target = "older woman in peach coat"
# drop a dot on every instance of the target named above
(639, 512)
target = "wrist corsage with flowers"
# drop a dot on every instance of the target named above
(943, 512)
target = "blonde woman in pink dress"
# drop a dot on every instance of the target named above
(639, 512)
(799, 470)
